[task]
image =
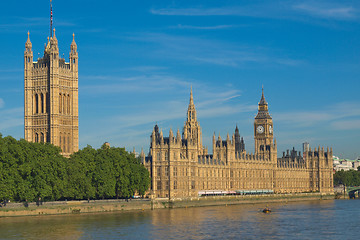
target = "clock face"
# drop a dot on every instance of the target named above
(260, 129)
(270, 129)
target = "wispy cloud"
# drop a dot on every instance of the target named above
(199, 11)
(147, 68)
(137, 84)
(346, 124)
(340, 116)
(10, 70)
(180, 26)
(215, 52)
(302, 119)
(294, 10)
(328, 12)
(2, 103)
(210, 102)
(24, 22)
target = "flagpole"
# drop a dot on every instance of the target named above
(51, 18)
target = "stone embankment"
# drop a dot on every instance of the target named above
(76, 207)
(73, 207)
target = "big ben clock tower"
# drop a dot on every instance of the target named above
(264, 132)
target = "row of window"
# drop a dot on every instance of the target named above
(41, 103)
(64, 103)
(40, 137)
(182, 156)
(166, 185)
(65, 142)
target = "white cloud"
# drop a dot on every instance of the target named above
(346, 125)
(328, 12)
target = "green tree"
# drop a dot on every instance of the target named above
(32, 170)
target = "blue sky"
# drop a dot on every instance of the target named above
(138, 59)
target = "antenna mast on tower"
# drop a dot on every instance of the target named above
(51, 18)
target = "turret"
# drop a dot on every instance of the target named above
(28, 54)
(214, 142)
(178, 136)
(142, 156)
(239, 142)
(154, 135)
(73, 55)
(54, 48)
(242, 144)
(171, 136)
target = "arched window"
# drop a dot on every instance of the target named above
(64, 144)
(47, 101)
(36, 103)
(60, 138)
(42, 103)
(60, 103)
(42, 137)
(68, 103)
(36, 137)
(64, 103)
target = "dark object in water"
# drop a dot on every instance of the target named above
(266, 210)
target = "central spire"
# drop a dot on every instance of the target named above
(191, 113)
(192, 130)
(191, 97)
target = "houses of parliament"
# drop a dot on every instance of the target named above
(180, 166)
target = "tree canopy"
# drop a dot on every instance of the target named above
(29, 171)
(349, 178)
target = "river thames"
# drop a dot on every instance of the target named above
(327, 219)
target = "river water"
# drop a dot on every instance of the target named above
(327, 219)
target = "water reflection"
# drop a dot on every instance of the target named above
(302, 220)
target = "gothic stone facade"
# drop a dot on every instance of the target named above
(51, 97)
(180, 166)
